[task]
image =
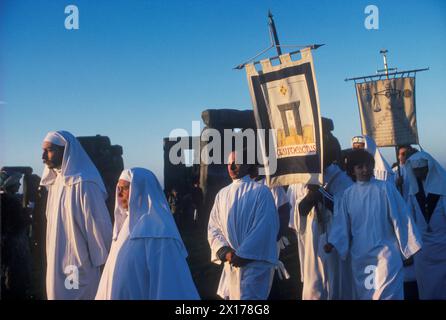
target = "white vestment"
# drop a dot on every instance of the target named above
(321, 273)
(79, 230)
(337, 270)
(403, 174)
(409, 271)
(430, 262)
(147, 260)
(374, 225)
(278, 193)
(245, 218)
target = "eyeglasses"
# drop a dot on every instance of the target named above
(123, 188)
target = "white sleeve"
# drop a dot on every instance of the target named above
(216, 237)
(339, 233)
(407, 234)
(95, 222)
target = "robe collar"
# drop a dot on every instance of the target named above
(246, 178)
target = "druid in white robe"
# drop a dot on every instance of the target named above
(245, 219)
(79, 229)
(430, 217)
(147, 260)
(409, 270)
(337, 271)
(323, 275)
(374, 225)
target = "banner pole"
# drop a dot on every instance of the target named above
(272, 27)
(386, 71)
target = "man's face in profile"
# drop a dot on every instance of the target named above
(52, 155)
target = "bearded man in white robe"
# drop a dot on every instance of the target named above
(242, 233)
(427, 200)
(79, 229)
(147, 259)
(374, 225)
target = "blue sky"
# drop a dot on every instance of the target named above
(137, 69)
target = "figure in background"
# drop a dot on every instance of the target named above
(427, 200)
(374, 226)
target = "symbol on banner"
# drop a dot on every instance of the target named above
(297, 121)
(283, 90)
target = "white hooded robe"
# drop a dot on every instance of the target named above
(79, 229)
(430, 262)
(147, 260)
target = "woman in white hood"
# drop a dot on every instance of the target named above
(147, 259)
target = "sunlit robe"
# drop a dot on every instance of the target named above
(147, 260)
(374, 225)
(430, 262)
(244, 217)
(79, 229)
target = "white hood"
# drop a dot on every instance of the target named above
(436, 177)
(148, 211)
(76, 164)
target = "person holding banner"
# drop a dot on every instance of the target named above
(242, 234)
(374, 227)
(427, 200)
(324, 276)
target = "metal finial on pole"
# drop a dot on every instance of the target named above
(276, 44)
(386, 67)
(273, 30)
